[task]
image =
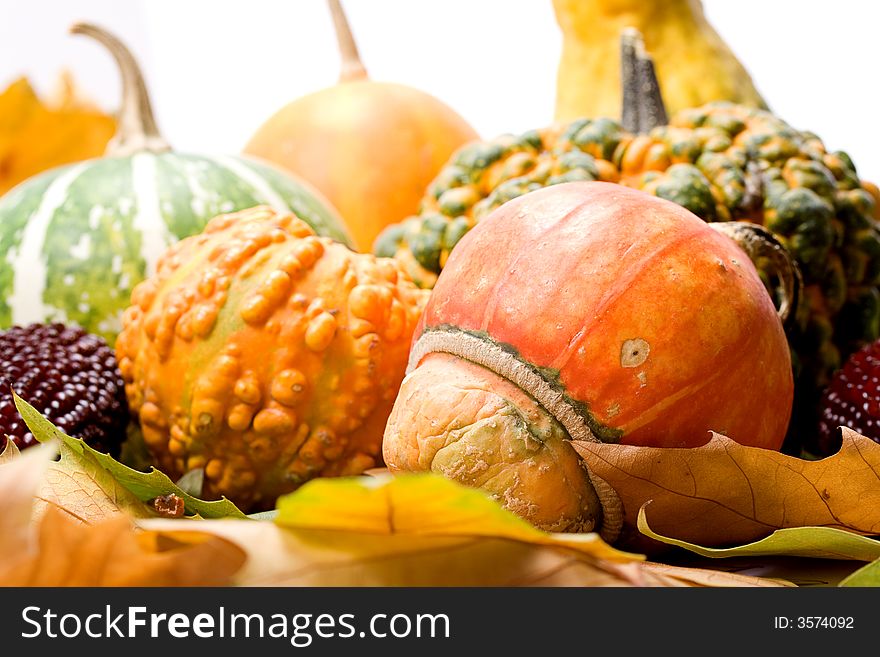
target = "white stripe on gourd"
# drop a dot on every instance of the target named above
(199, 196)
(262, 187)
(29, 269)
(155, 236)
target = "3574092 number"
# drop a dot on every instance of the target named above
(814, 622)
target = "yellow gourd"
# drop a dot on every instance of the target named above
(693, 63)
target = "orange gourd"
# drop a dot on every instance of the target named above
(370, 147)
(266, 355)
(586, 311)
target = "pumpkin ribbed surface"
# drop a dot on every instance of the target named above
(266, 355)
(722, 162)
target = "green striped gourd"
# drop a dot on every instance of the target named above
(74, 241)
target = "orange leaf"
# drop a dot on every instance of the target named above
(113, 553)
(20, 478)
(278, 556)
(725, 493)
(710, 577)
(35, 136)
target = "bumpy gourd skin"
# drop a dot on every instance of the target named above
(266, 355)
(721, 161)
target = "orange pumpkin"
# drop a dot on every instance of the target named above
(589, 311)
(370, 147)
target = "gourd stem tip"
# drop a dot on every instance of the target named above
(643, 108)
(136, 131)
(352, 66)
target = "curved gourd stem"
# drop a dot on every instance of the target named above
(136, 129)
(767, 252)
(352, 67)
(643, 107)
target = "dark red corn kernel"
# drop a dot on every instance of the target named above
(68, 375)
(852, 399)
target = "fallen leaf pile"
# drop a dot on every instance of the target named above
(91, 485)
(85, 519)
(36, 135)
(73, 526)
(60, 551)
(114, 553)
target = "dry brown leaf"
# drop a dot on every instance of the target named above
(20, 477)
(412, 530)
(10, 451)
(711, 577)
(725, 493)
(61, 551)
(289, 557)
(113, 553)
(35, 136)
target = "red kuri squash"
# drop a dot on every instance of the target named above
(586, 311)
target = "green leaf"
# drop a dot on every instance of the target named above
(865, 576)
(145, 486)
(816, 542)
(193, 481)
(419, 505)
(80, 486)
(264, 515)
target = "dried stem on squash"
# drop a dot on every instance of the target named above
(137, 129)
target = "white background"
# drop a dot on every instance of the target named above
(218, 68)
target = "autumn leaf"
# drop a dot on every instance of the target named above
(114, 553)
(36, 135)
(9, 452)
(866, 576)
(419, 504)
(288, 557)
(423, 530)
(712, 578)
(725, 494)
(814, 542)
(417, 530)
(61, 551)
(20, 478)
(89, 484)
(79, 486)
(799, 571)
